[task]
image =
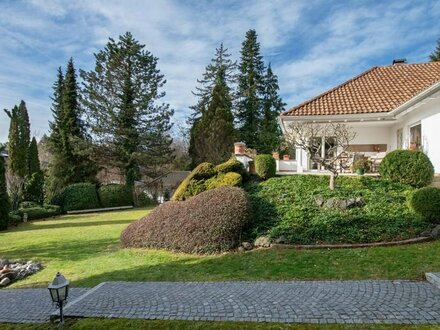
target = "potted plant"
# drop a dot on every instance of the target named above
(361, 166)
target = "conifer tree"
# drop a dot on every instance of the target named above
(35, 182)
(435, 55)
(213, 132)
(270, 134)
(121, 97)
(250, 89)
(4, 199)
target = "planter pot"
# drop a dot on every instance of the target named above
(360, 171)
(286, 157)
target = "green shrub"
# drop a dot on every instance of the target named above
(203, 171)
(265, 166)
(231, 165)
(142, 200)
(289, 206)
(222, 180)
(5, 205)
(28, 204)
(80, 196)
(407, 166)
(189, 188)
(40, 212)
(426, 202)
(113, 195)
(14, 218)
(209, 222)
(34, 188)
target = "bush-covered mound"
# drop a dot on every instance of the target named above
(411, 167)
(80, 196)
(209, 222)
(426, 203)
(361, 209)
(113, 195)
(265, 166)
(207, 176)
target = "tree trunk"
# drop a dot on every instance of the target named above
(332, 181)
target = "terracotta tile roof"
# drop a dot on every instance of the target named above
(378, 90)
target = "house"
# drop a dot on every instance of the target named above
(390, 107)
(163, 187)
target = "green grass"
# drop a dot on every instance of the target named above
(97, 324)
(85, 248)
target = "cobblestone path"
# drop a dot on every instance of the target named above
(29, 305)
(293, 301)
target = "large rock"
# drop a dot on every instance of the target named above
(339, 203)
(262, 241)
(15, 271)
(435, 234)
(247, 245)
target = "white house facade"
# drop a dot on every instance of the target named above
(388, 108)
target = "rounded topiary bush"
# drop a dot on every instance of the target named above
(231, 165)
(80, 196)
(407, 166)
(265, 166)
(190, 187)
(209, 222)
(426, 202)
(113, 195)
(222, 180)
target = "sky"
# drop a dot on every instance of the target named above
(312, 45)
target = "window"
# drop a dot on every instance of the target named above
(415, 136)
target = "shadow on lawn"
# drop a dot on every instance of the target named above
(41, 225)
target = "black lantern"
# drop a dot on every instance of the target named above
(59, 291)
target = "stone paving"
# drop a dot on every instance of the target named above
(292, 301)
(29, 305)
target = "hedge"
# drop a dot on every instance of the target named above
(411, 167)
(265, 166)
(39, 212)
(426, 202)
(222, 180)
(231, 165)
(209, 222)
(113, 195)
(80, 196)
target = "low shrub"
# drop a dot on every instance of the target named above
(222, 180)
(80, 196)
(426, 202)
(303, 210)
(14, 218)
(27, 204)
(142, 199)
(113, 195)
(39, 212)
(265, 166)
(188, 187)
(209, 222)
(407, 166)
(203, 171)
(231, 165)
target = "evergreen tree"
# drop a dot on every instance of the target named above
(35, 182)
(4, 199)
(435, 55)
(120, 97)
(70, 148)
(213, 132)
(250, 89)
(270, 132)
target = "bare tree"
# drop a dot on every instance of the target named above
(324, 143)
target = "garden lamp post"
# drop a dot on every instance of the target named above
(59, 290)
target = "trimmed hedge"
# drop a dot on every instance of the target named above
(426, 202)
(201, 172)
(113, 195)
(411, 167)
(231, 165)
(265, 166)
(35, 212)
(80, 196)
(223, 180)
(209, 222)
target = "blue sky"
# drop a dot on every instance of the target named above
(313, 45)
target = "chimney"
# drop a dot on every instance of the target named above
(399, 61)
(239, 148)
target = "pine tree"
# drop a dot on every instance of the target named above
(213, 132)
(4, 199)
(70, 148)
(120, 97)
(435, 55)
(270, 134)
(25, 137)
(250, 89)
(35, 182)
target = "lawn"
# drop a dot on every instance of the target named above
(85, 248)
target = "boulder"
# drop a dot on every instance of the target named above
(262, 241)
(5, 281)
(240, 249)
(4, 262)
(342, 204)
(247, 245)
(436, 232)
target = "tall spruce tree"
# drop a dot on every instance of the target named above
(35, 182)
(213, 132)
(250, 90)
(270, 134)
(4, 199)
(121, 97)
(68, 143)
(435, 55)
